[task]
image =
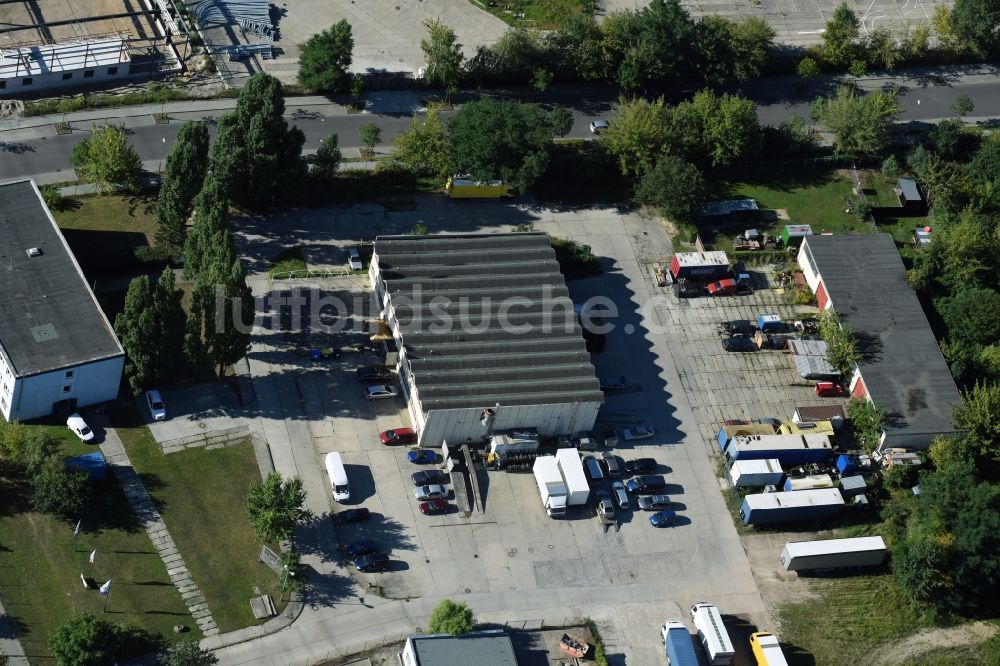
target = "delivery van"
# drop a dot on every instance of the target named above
(338, 477)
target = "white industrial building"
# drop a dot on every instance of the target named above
(58, 351)
(66, 64)
(486, 334)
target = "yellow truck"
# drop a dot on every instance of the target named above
(766, 649)
(463, 187)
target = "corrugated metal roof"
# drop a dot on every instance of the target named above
(902, 366)
(808, 347)
(480, 650)
(814, 367)
(820, 413)
(64, 57)
(713, 258)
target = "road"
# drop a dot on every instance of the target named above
(44, 155)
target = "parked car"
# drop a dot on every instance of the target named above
(621, 495)
(737, 328)
(358, 515)
(654, 502)
(598, 126)
(380, 392)
(722, 287)
(359, 548)
(612, 383)
(354, 259)
(663, 519)
(739, 345)
(611, 463)
(432, 507)
(641, 466)
(421, 456)
(830, 390)
(154, 402)
(372, 563)
(398, 436)
(634, 433)
(372, 373)
(429, 477)
(80, 428)
(687, 289)
(605, 507)
(424, 493)
(647, 485)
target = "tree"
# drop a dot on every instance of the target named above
(13, 436)
(639, 136)
(920, 567)
(39, 446)
(867, 419)
(507, 140)
(326, 57)
(134, 327)
(963, 104)
(188, 653)
(944, 138)
(714, 130)
(842, 352)
(970, 315)
(890, 168)
(977, 22)
(224, 306)
(861, 126)
(107, 160)
(423, 149)
(674, 186)
(977, 418)
(256, 157)
(541, 79)
(840, 38)
(944, 29)
(371, 134)
(328, 158)
(807, 68)
(182, 179)
(668, 32)
(84, 640)
(59, 492)
(450, 617)
(915, 43)
(752, 43)
(167, 318)
(882, 48)
(210, 209)
(275, 507)
(443, 54)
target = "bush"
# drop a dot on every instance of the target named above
(450, 617)
(287, 261)
(59, 492)
(575, 260)
(151, 254)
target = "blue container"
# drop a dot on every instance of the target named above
(770, 323)
(847, 465)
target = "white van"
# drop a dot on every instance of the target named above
(712, 634)
(338, 477)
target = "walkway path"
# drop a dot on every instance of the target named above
(10, 647)
(152, 522)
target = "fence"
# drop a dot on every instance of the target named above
(215, 439)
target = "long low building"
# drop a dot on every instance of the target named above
(44, 66)
(487, 336)
(902, 369)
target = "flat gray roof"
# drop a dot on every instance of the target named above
(902, 366)
(488, 649)
(908, 188)
(49, 318)
(538, 357)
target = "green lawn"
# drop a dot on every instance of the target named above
(41, 562)
(201, 495)
(538, 13)
(288, 260)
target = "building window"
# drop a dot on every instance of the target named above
(3, 403)
(3, 84)
(69, 374)
(67, 389)
(112, 71)
(67, 76)
(26, 82)
(88, 73)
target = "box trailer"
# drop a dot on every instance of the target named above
(677, 644)
(701, 266)
(551, 486)
(808, 482)
(833, 554)
(788, 449)
(571, 468)
(790, 507)
(726, 433)
(712, 634)
(766, 649)
(756, 473)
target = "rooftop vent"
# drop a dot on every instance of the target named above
(34, 252)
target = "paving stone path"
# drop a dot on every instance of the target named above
(152, 522)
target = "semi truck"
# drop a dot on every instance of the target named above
(550, 485)
(677, 644)
(787, 507)
(756, 473)
(803, 556)
(699, 266)
(712, 634)
(766, 649)
(788, 449)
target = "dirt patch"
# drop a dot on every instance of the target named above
(930, 639)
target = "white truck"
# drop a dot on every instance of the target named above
(550, 485)
(571, 468)
(712, 634)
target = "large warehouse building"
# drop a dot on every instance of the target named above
(58, 351)
(487, 336)
(902, 369)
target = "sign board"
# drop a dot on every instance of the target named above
(270, 558)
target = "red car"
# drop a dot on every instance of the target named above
(398, 436)
(430, 507)
(722, 287)
(829, 390)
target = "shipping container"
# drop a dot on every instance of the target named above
(785, 507)
(577, 488)
(852, 486)
(726, 433)
(701, 266)
(767, 650)
(678, 645)
(833, 553)
(756, 473)
(806, 428)
(793, 234)
(789, 449)
(846, 464)
(809, 482)
(712, 634)
(770, 323)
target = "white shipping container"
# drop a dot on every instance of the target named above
(833, 553)
(578, 490)
(755, 473)
(712, 634)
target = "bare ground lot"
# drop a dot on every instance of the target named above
(35, 13)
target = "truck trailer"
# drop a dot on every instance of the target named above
(808, 482)
(766, 649)
(700, 266)
(571, 468)
(712, 634)
(514, 441)
(788, 449)
(459, 187)
(726, 433)
(756, 473)
(677, 644)
(550, 485)
(833, 554)
(788, 507)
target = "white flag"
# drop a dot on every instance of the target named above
(105, 589)
(76, 532)
(92, 556)
(83, 578)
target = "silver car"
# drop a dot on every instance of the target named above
(654, 502)
(424, 493)
(380, 391)
(611, 463)
(621, 495)
(605, 508)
